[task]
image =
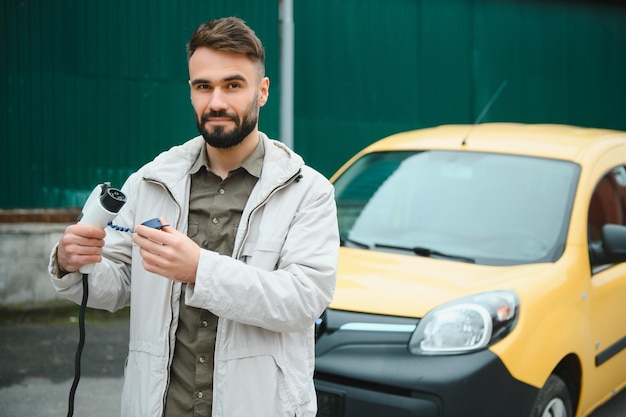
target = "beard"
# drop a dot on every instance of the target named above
(219, 137)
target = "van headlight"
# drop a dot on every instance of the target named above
(466, 325)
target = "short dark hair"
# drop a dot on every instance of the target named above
(228, 34)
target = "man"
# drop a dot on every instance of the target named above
(223, 301)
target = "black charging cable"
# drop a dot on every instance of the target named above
(81, 344)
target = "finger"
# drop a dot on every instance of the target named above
(71, 246)
(149, 233)
(153, 262)
(87, 243)
(86, 230)
(148, 256)
(81, 250)
(148, 244)
(72, 258)
(79, 241)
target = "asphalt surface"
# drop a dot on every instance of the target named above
(37, 360)
(37, 363)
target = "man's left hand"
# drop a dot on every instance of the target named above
(168, 252)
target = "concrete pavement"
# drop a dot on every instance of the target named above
(95, 397)
(37, 363)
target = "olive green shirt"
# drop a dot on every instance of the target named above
(215, 208)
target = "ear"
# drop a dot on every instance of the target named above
(264, 91)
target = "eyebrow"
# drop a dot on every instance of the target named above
(234, 77)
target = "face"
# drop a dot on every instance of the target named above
(227, 91)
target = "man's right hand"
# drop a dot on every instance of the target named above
(81, 244)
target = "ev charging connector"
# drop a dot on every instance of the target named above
(101, 208)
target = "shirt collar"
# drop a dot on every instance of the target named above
(253, 163)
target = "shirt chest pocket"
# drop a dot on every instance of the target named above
(263, 253)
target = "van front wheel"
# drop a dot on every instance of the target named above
(553, 400)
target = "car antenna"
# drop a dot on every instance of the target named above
(486, 109)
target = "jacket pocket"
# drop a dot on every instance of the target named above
(192, 229)
(254, 375)
(255, 386)
(145, 380)
(263, 253)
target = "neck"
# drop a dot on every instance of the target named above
(224, 160)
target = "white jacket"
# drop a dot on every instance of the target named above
(268, 295)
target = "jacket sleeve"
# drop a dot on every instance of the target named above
(284, 281)
(104, 293)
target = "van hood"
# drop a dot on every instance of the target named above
(410, 286)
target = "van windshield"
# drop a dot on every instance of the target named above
(494, 209)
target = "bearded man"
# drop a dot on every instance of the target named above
(224, 299)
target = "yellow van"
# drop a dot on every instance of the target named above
(481, 274)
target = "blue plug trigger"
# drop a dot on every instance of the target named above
(154, 223)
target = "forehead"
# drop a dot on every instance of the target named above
(213, 65)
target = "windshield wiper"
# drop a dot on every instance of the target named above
(345, 239)
(427, 252)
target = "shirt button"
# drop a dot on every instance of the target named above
(221, 191)
(199, 395)
(202, 359)
(204, 323)
(215, 220)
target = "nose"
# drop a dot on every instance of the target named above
(217, 101)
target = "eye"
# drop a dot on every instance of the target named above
(234, 85)
(200, 85)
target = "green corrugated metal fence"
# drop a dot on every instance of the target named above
(369, 68)
(93, 89)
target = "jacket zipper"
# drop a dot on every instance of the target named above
(236, 255)
(297, 176)
(169, 342)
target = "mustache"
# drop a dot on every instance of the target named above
(206, 116)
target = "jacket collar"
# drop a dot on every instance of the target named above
(172, 167)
